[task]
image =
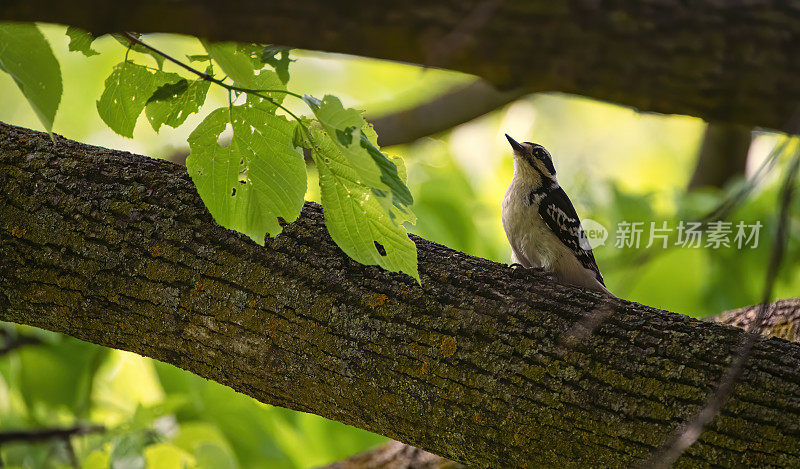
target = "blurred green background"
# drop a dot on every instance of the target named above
(616, 164)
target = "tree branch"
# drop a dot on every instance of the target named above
(11, 342)
(722, 156)
(44, 434)
(443, 112)
(395, 455)
(782, 320)
(732, 62)
(117, 249)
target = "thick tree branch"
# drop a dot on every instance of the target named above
(724, 61)
(117, 249)
(782, 320)
(395, 455)
(446, 111)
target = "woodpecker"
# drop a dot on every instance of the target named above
(541, 224)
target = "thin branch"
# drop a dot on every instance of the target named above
(208, 77)
(11, 342)
(44, 434)
(454, 107)
(733, 201)
(597, 316)
(690, 432)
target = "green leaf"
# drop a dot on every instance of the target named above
(237, 62)
(81, 41)
(359, 142)
(257, 178)
(98, 459)
(364, 197)
(128, 449)
(172, 103)
(128, 90)
(234, 61)
(139, 48)
(167, 456)
(199, 58)
(26, 55)
(59, 375)
(208, 444)
(269, 55)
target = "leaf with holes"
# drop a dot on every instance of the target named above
(238, 63)
(269, 55)
(81, 41)
(259, 177)
(172, 103)
(26, 55)
(358, 141)
(363, 213)
(127, 91)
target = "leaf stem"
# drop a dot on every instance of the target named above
(205, 76)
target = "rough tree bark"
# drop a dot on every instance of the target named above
(117, 249)
(724, 61)
(781, 319)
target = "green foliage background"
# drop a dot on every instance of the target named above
(617, 165)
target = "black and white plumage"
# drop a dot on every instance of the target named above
(541, 224)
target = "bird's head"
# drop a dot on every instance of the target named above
(531, 158)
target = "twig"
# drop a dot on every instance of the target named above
(133, 39)
(208, 77)
(11, 342)
(597, 316)
(687, 434)
(44, 434)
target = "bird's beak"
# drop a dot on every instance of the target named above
(514, 144)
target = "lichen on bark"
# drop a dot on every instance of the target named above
(117, 249)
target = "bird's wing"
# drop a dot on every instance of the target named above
(557, 211)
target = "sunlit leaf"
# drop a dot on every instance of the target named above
(129, 447)
(172, 103)
(26, 55)
(199, 58)
(358, 140)
(58, 375)
(167, 456)
(255, 179)
(234, 62)
(81, 41)
(98, 459)
(238, 64)
(208, 444)
(278, 58)
(364, 197)
(128, 89)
